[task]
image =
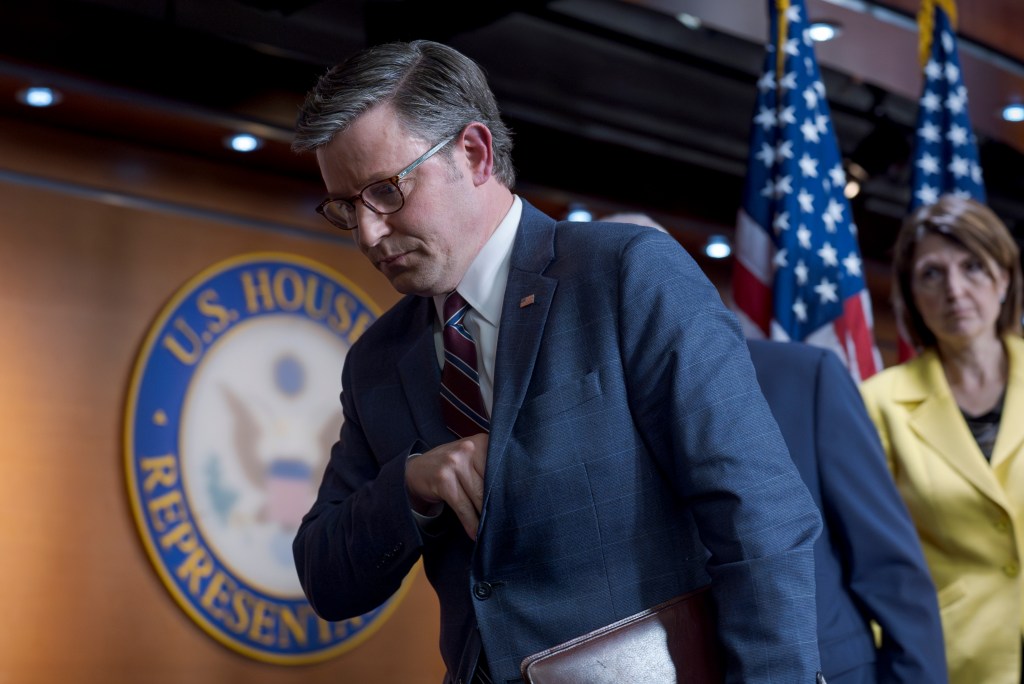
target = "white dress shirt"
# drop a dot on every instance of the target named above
(483, 288)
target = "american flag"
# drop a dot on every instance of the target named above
(798, 273)
(945, 150)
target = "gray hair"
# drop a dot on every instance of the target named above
(435, 92)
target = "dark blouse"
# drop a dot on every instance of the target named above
(985, 427)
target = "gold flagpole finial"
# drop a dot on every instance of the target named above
(926, 24)
(781, 7)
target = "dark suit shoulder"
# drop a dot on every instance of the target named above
(780, 366)
(598, 245)
(394, 327)
(768, 351)
(608, 234)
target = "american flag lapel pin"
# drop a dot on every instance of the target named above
(526, 301)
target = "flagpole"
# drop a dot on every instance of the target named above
(926, 25)
(781, 6)
(945, 158)
(798, 274)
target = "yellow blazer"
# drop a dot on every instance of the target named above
(969, 514)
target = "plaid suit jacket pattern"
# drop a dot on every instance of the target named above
(632, 457)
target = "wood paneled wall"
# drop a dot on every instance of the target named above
(94, 239)
(95, 236)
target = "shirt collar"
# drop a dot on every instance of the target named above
(483, 285)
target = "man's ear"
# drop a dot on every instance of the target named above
(476, 140)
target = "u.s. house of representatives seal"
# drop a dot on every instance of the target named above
(231, 412)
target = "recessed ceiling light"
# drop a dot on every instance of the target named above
(579, 213)
(1013, 112)
(244, 142)
(821, 31)
(38, 96)
(856, 176)
(718, 247)
(689, 21)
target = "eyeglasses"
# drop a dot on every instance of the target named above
(381, 197)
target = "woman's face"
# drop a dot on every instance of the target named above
(958, 298)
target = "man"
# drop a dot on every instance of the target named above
(868, 560)
(616, 452)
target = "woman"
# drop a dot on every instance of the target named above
(952, 423)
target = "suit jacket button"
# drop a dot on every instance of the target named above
(482, 590)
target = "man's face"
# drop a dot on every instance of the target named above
(425, 247)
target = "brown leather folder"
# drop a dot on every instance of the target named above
(675, 642)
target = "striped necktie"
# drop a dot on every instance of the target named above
(462, 405)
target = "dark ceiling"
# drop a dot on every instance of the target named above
(614, 103)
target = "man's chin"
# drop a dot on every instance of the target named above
(415, 281)
(410, 286)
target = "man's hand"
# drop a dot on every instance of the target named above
(452, 474)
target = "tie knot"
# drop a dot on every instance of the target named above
(453, 304)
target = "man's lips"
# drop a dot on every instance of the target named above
(388, 259)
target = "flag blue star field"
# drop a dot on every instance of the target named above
(798, 272)
(945, 150)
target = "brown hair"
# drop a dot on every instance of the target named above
(972, 226)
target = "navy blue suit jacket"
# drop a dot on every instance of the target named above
(632, 457)
(868, 560)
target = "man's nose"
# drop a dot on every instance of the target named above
(371, 226)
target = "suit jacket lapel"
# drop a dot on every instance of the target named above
(937, 420)
(1010, 439)
(421, 377)
(524, 313)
